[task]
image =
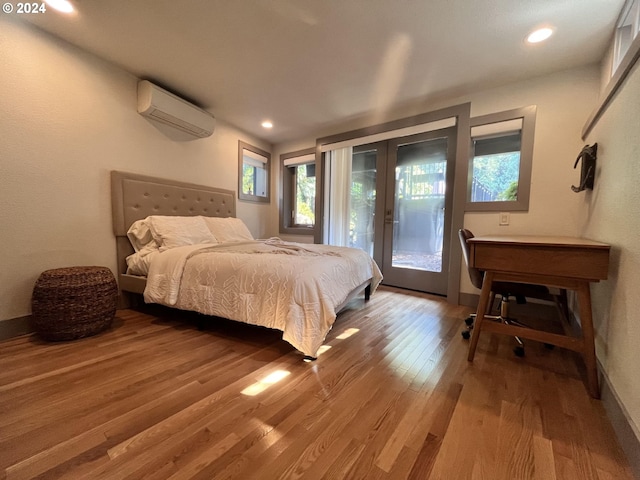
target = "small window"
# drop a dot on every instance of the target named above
(254, 165)
(304, 203)
(626, 32)
(495, 168)
(299, 192)
(500, 163)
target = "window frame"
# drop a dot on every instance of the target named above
(287, 206)
(242, 146)
(618, 75)
(629, 13)
(528, 116)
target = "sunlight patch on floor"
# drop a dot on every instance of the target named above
(347, 333)
(261, 385)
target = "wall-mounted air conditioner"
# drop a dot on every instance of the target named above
(158, 104)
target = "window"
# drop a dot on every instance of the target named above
(626, 32)
(500, 161)
(495, 168)
(298, 213)
(625, 54)
(304, 199)
(254, 165)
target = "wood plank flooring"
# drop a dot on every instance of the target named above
(393, 398)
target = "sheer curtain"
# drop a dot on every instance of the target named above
(338, 197)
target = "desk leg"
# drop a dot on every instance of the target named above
(480, 313)
(588, 352)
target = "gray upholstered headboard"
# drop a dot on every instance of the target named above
(134, 197)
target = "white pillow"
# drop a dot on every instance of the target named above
(170, 232)
(228, 229)
(141, 237)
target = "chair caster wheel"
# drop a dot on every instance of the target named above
(519, 351)
(469, 321)
(466, 335)
(549, 346)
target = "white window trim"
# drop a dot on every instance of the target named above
(630, 11)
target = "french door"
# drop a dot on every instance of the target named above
(401, 205)
(417, 215)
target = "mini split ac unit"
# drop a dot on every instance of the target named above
(158, 104)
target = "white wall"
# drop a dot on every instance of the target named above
(68, 119)
(611, 213)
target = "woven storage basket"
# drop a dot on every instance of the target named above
(74, 302)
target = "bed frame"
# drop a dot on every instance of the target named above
(135, 197)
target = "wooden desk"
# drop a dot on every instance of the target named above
(563, 262)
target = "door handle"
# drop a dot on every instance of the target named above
(388, 217)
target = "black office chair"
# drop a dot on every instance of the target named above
(520, 291)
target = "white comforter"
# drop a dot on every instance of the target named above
(288, 286)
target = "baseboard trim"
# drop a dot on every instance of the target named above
(468, 299)
(627, 434)
(15, 327)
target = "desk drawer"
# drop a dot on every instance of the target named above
(564, 261)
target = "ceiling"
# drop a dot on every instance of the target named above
(310, 64)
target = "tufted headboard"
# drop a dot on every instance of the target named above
(134, 197)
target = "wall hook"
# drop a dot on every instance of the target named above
(588, 170)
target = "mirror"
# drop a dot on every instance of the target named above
(254, 167)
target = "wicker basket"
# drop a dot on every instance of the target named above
(74, 302)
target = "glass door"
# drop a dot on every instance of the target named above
(417, 211)
(368, 184)
(393, 200)
(354, 197)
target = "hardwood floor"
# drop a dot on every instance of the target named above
(154, 397)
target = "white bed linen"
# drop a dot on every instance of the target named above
(287, 286)
(138, 263)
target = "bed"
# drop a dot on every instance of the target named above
(181, 245)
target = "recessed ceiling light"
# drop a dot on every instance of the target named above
(539, 35)
(267, 124)
(63, 6)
